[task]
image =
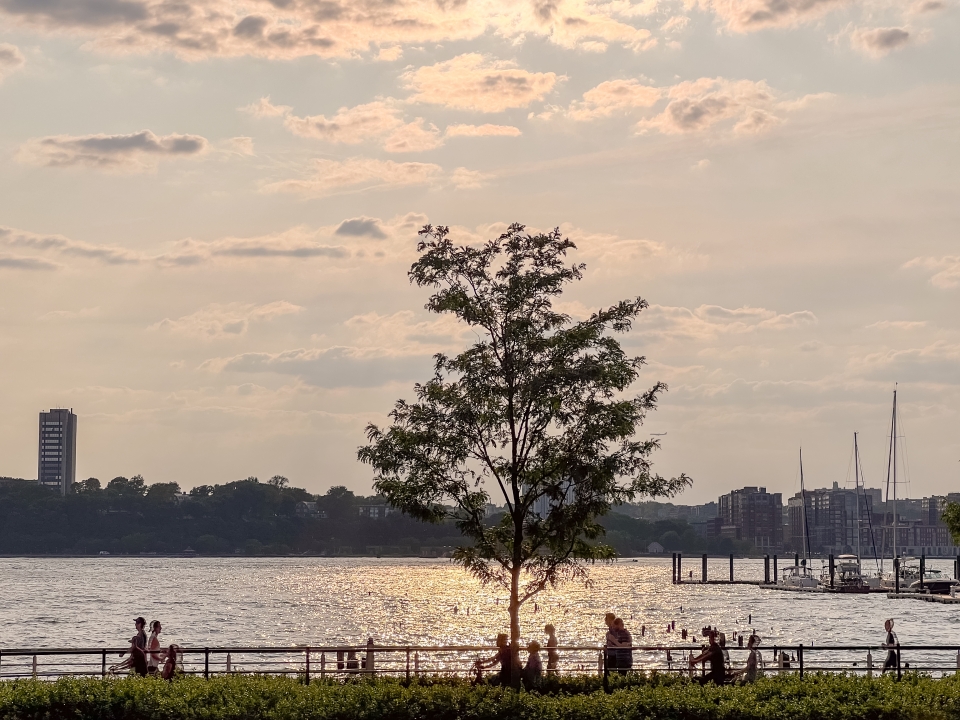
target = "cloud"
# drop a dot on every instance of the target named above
(280, 29)
(478, 82)
(17, 262)
(751, 15)
(11, 60)
(226, 320)
(357, 172)
(413, 137)
(242, 145)
(925, 6)
(71, 314)
(107, 254)
(948, 269)
(697, 105)
(464, 179)
(614, 96)
(878, 42)
(294, 243)
(485, 130)
(936, 363)
(135, 152)
(361, 227)
(708, 321)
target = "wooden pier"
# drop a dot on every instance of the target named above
(943, 599)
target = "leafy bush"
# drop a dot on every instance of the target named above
(817, 697)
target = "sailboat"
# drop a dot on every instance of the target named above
(800, 576)
(888, 580)
(849, 576)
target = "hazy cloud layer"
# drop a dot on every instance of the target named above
(11, 60)
(947, 269)
(750, 15)
(138, 151)
(60, 245)
(357, 173)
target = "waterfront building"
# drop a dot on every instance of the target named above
(754, 515)
(57, 452)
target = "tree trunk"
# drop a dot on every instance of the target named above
(515, 625)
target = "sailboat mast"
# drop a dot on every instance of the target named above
(803, 500)
(891, 468)
(893, 440)
(856, 483)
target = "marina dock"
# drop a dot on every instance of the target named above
(943, 599)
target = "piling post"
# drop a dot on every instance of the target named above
(679, 567)
(775, 570)
(800, 659)
(766, 569)
(923, 568)
(869, 664)
(307, 674)
(896, 575)
(833, 569)
(673, 568)
(731, 567)
(796, 559)
(703, 572)
(103, 663)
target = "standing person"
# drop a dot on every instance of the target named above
(892, 645)
(625, 647)
(713, 655)
(553, 657)
(504, 658)
(610, 642)
(153, 648)
(138, 648)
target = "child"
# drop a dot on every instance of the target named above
(533, 670)
(170, 664)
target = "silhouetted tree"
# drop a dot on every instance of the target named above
(536, 410)
(951, 516)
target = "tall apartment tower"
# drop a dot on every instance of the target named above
(57, 461)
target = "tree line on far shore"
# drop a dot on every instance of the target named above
(250, 517)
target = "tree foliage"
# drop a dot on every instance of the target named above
(951, 516)
(537, 411)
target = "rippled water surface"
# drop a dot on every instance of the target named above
(64, 602)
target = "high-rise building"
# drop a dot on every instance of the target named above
(755, 515)
(57, 454)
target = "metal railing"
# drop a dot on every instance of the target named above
(346, 661)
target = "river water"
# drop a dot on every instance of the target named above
(76, 602)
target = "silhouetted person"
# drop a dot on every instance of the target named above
(610, 642)
(713, 655)
(533, 670)
(892, 645)
(625, 647)
(504, 658)
(553, 657)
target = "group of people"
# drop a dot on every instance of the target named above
(146, 656)
(531, 673)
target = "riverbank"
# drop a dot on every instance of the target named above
(660, 697)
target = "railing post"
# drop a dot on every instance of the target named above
(323, 665)
(103, 663)
(703, 572)
(606, 672)
(229, 663)
(869, 664)
(34, 672)
(899, 670)
(408, 664)
(206, 663)
(800, 659)
(958, 662)
(307, 675)
(369, 665)
(416, 663)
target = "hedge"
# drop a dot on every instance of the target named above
(249, 697)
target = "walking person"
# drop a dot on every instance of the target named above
(553, 657)
(533, 670)
(504, 658)
(610, 642)
(713, 655)
(892, 645)
(625, 647)
(153, 653)
(138, 647)
(754, 661)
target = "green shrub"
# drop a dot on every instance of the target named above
(250, 697)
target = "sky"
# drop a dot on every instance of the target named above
(208, 209)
